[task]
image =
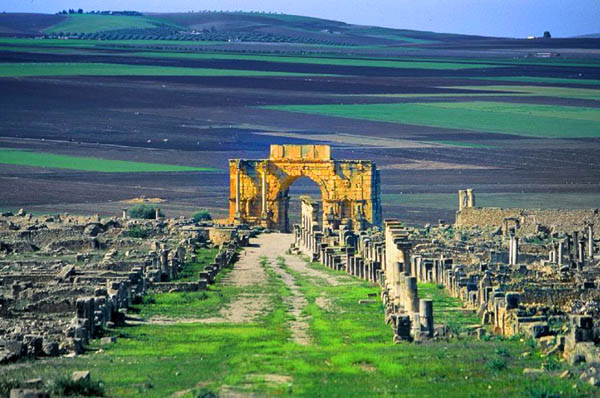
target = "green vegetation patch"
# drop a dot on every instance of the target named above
(91, 43)
(449, 201)
(542, 91)
(544, 121)
(505, 91)
(532, 79)
(190, 270)
(11, 69)
(93, 23)
(447, 309)
(393, 34)
(340, 61)
(50, 160)
(461, 144)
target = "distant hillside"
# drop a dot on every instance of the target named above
(310, 28)
(96, 23)
(27, 24)
(217, 26)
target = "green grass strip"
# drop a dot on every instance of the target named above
(544, 121)
(461, 144)
(50, 160)
(340, 61)
(532, 79)
(101, 69)
(11, 41)
(542, 91)
(94, 23)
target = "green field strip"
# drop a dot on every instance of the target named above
(532, 79)
(94, 23)
(104, 69)
(460, 144)
(51, 50)
(100, 43)
(541, 91)
(449, 201)
(505, 91)
(544, 121)
(375, 63)
(582, 62)
(437, 95)
(49, 160)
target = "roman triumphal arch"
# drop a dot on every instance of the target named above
(259, 188)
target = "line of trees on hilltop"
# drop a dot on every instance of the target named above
(109, 12)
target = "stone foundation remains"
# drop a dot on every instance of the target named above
(63, 278)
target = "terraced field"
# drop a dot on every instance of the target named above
(437, 113)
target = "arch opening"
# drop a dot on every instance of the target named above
(302, 188)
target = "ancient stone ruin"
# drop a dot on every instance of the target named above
(65, 278)
(528, 272)
(259, 188)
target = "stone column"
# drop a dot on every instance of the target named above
(412, 299)
(124, 214)
(515, 251)
(264, 194)
(462, 199)
(591, 241)
(426, 316)
(470, 198)
(157, 213)
(560, 252)
(576, 245)
(237, 192)
(581, 250)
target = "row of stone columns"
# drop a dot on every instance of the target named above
(400, 276)
(575, 247)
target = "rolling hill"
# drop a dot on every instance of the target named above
(220, 26)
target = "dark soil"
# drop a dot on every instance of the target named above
(204, 121)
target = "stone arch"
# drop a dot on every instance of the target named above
(345, 186)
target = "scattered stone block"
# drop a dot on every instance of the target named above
(81, 376)
(28, 393)
(108, 340)
(367, 301)
(50, 348)
(533, 371)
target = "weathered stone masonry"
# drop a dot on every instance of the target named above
(259, 188)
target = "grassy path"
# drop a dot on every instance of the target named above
(307, 337)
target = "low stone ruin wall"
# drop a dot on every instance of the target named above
(561, 220)
(54, 299)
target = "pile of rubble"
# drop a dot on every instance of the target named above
(65, 278)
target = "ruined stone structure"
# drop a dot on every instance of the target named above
(259, 188)
(533, 273)
(63, 279)
(526, 220)
(383, 258)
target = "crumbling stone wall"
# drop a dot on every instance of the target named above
(56, 296)
(530, 220)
